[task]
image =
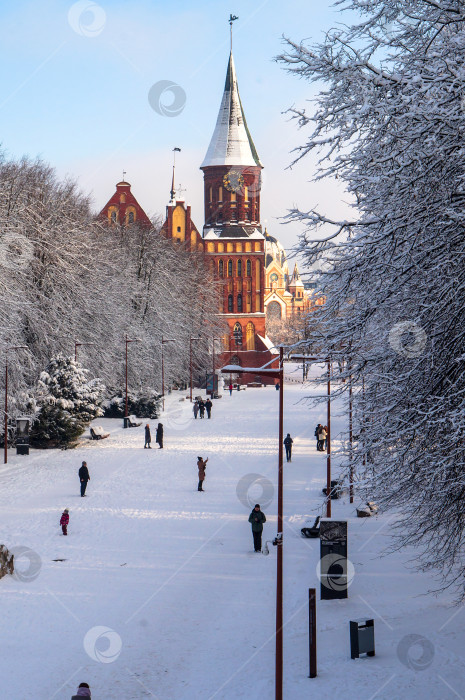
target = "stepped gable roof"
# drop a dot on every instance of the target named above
(231, 143)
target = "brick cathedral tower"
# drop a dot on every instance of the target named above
(233, 238)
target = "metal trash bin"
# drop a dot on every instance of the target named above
(22, 435)
(126, 422)
(362, 638)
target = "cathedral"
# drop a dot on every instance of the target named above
(249, 263)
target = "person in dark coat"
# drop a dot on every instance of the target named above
(202, 408)
(148, 437)
(208, 406)
(201, 464)
(159, 435)
(64, 521)
(257, 518)
(288, 445)
(317, 430)
(84, 478)
(83, 691)
(277, 387)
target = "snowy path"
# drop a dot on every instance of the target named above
(171, 571)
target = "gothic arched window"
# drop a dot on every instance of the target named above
(249, 268)
(230, 303)
(221, 268)
(250, 336)
(230, 268)
(237, 332)
(239, 268)
(239, 302)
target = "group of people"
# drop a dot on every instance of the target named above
(321, 434)
(200, 406)
(84, 478)
(158, 437)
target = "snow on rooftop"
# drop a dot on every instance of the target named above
(231, 143)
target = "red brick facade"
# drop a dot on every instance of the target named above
(123, 208)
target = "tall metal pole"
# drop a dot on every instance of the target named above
(162, 375)
(190, 365)
(351, 485)
(279, 558)
(15, 347)
(328, 447)
(5, 459)
(312, 631)
(126, 405)
(213, 373)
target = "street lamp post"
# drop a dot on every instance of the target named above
(163, 341)
(328, 446)
(14, 347)
(190, 362)
(127, 340)
(279, 374)
(351, 486)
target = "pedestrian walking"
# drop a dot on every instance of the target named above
(317, 430)
(64, 520)
(196, 409)
(202, 408)
(277, 387)
(230, 389)
(159, 435)
(208, 406)
(83, 691)
(84, 478)
(288, 445)
(257, 518)
(148, 437)
(321, 438)
(201, 464)
(325, 444)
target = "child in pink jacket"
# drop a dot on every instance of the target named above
(64, 521)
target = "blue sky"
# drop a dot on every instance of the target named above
(76, 83)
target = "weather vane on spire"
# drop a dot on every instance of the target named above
(232, 18)
(124, 173)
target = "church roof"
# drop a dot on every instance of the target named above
(296, 281)
(232, 232)
(231, 143)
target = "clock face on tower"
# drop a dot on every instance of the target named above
(233, 181)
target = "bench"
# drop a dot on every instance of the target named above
(313, 531)
(336, 489)
(132, 422)
(367, 511)
(96, 433)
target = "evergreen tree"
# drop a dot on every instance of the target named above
(68, 402)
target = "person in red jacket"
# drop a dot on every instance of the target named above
(64, 521)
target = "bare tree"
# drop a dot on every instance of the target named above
(390, 124)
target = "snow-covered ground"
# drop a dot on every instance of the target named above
(160, 594)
